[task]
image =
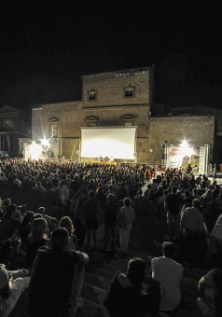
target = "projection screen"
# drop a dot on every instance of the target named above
(118, 143)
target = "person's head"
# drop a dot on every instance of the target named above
(186, 193)
(174, 189)
(59, 238)
(168, 249)
(66, 222)
(37, 216)
(77, 222)
(6, 286)
(196, 203)
(41, 210)
(7, 202)
(91, 194)
(11, 210)
(135, 272)
(99, 190)
(38, 229)
(27, 218)
(126, 202)
(110, 197)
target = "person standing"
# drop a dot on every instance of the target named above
(173, 206)
(90, 208)
(110, 217)
(191, 226)
(75, 192)
(124, 233)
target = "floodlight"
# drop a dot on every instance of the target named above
(35, 150)
(45, 142)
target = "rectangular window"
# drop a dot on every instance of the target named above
(92, 95)
(129, 92)
(54, 130)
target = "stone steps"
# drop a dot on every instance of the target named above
(100, 272)
(98, 280)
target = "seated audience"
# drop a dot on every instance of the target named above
(36, 239)
(12, 285)
(61, 272)
(10, 223)
(215, 245)
(210, 294)
(126, 296)
(66, 222)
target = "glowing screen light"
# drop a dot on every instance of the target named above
(117, 143)
(35, 150)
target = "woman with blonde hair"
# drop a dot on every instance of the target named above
(66, 222)
(36, 239)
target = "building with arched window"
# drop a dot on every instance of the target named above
(118, 99)
(14, 124)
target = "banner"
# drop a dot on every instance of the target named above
(181, 156)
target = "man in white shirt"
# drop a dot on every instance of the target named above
(215, 245)
(192, 229)
(169, 273)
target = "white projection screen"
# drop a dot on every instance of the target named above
(118, 143)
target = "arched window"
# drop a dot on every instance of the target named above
(8, 125)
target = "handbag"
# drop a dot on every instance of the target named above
(121, 222)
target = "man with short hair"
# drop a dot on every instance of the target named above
(57, 279)
(172, 206)
(75, 192)
(90, 208)
(169, 273)
(111, 210)
(191, 226)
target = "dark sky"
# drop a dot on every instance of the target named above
(45, 47)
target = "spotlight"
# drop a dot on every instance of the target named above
(45, 142)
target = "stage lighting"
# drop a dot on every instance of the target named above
(45, 142)
(35, 150)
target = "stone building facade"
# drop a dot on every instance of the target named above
(113, 99)
(14, 124)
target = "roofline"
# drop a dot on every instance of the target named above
(120, 70)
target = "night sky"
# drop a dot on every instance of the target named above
(46, 47)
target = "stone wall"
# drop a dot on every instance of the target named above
(109, 87)
(196, 130)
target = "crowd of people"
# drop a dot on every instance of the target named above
(89, 195)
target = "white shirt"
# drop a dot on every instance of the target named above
(169, 273)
